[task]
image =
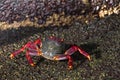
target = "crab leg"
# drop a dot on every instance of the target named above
(63, 57)
(28, 46)
(29, 58)
(36, 51)
(39, 45)
(76, 48)
(68, 54)
(70, 62)
(38, 42)
(20, 50)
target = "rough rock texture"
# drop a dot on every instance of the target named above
(101, 39)
(15, 13)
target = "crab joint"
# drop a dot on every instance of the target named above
(55, 58)
(12, 56)
(39, 52)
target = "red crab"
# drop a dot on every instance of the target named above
(51, 48)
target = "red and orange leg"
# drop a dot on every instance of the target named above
(63, 57)
(68, 54)
(29, 58)
(74, 48)
(70, 62)
(20, 50)
(32, 48)
(38, 43)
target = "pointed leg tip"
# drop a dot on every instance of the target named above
(89, 58)
(11, 56)
(32, 64)
(70, 67)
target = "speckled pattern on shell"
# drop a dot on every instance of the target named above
(53, 48)
(40, 11)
